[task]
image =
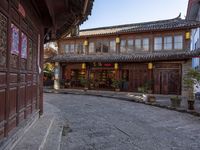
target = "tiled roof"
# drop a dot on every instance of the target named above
(176, 23)
(135, 57)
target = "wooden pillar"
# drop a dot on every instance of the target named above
(117, 76)
(88, 74)
(8, 71)
(40, 72)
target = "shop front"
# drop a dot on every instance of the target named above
(157, 78)
(99, 75)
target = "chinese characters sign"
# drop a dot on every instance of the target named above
(14, 40)
(24, 46)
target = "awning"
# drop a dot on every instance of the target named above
(134, 57)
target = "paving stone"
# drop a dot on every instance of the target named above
(45, 134)
(110, 124)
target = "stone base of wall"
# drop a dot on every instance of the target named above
(186, 66)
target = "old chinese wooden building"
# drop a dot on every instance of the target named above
(151, 53)
(24, 27)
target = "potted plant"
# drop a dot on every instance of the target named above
(148, 86)
(190, 79)
(142, 89)
(175, 101)
(148, 97)
(85, 83)
(116, 84)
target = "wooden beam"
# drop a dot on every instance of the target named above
(51, 11)
(85, 7)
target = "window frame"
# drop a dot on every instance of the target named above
(176, 35)
(164, 44)
(77, 46)
(161, 44)
(143, 49)
(94, 49)
(131, 49)
(124, 47)
(105, 43)
(111, 50)
(139, 48)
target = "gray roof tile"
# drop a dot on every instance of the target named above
(134, 57)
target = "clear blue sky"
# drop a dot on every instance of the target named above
(116, 12)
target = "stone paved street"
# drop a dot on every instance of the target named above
(96, 123)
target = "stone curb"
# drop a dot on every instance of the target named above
(119, 97)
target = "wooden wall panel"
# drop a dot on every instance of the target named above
(21, 103)
(23, 64)
(15, 15)
(34, 102)
(34, 78)
(13, 78)
(29, 94)
(2, 104)
(1, 131)
(15, 2)
(22, 78)
(14, 61)
(29, 78)
(12, 101)
(2, 79)
(12, 123)
(4, 4)
(24, 25)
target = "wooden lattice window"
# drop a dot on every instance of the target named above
(3, 40)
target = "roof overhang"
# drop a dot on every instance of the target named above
(135, 57)
(59, 16)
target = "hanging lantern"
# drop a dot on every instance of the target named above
(187, 35)
(117, 40)
(150, 66)
(116, 66)
(85, 43)
(83, 66)
(92, 75)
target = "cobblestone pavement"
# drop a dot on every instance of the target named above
(97, 123)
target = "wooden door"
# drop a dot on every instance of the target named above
(138, 75)
(19, 77)
(167, 81)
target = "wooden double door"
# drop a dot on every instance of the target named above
(139, 75)
(19, 72)
(167, 79)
